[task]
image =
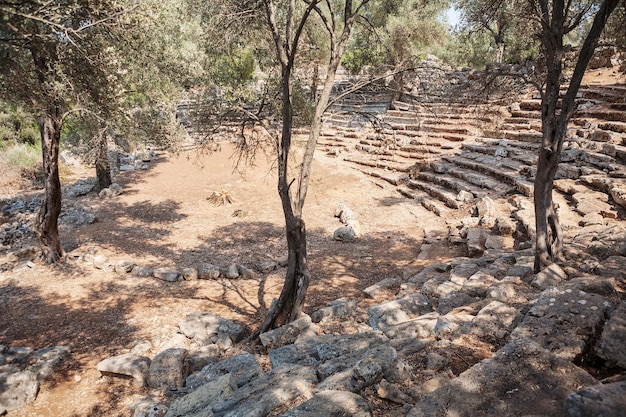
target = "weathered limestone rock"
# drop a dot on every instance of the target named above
(395, 312)
(372, 366)
(232, 272)
(476, 238)
(166, 274)
(142, 271)
(204, 355)
(495, 320)
(606, 400)
(245, 272)
(18, 389)
(209, 271)
(612, 346)
(243, 369)
(381, 288)
(43, 361)
(268, 392)
(421, 327)
(311, 352)
(518, 372)
(332, 404)
(288, 333)
(267, 266)
(200, 399)
(487, 212)
(124, 267)
(207, 328)
(563, 320)
(344, 234)
(549, 277)
(177, 341)
(523, 267)
(113, 191)
(149, 408)
(340, 307)
(190, 274)
(452, 322)
(127, 364)
(613, 266)
(478, 284)
(618, 193)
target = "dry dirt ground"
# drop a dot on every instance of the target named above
(164, 219)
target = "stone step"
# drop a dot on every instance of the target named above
(529, 136)
(521, 126)
(605, 114)
(500, 150)
(526, 114)
(429, 204)
(380, 164)
(530, 105)
(451, 182)
(449, 198)
(393, 178)
(504, 174)
(619, 127)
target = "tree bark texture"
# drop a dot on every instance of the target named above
(555, 117)
(46, 222)
(103, 167)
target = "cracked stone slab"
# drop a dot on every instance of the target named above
(563, 320)
(522, 376)
(332, 404)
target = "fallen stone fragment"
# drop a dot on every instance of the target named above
(332, 404)
(268, 392)
(340, 307)
(245, 272)
(207, 328)
(243, 368)
(149, 408)
(209, 271)
(521, 376)
(608, 400)
(168, 370)
(478, 284)
(142, 271)
(127, 364)
(391, 392)
(288, 333)
(124, 267)
(232, 272)
(166, 274)
(344, 234)
(381, 288)
(190, 274)
(552, 276)
(201, 398)
(18, 389)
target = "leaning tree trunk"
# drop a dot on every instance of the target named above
(289, 304)
(46, 223)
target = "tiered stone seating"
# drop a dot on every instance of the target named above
(449, 156)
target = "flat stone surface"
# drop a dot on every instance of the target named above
(243, 368)
(128, 364)
(332, 404)
(201, 398)
(268, 392)
(552, 276)
(478, 284)
(563, 320)
(522, 376)
(43, 361)
(337, 308)
(394, 312)
(494, 322)
(612, 346)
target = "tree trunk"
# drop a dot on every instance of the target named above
(554, 121)
(46, 224)
(103, 168)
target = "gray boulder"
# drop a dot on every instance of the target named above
(199, 400)
(395, 312)
(166, 274)
(288, 333)
(209, 271)
(207, 328)
(243, 369)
